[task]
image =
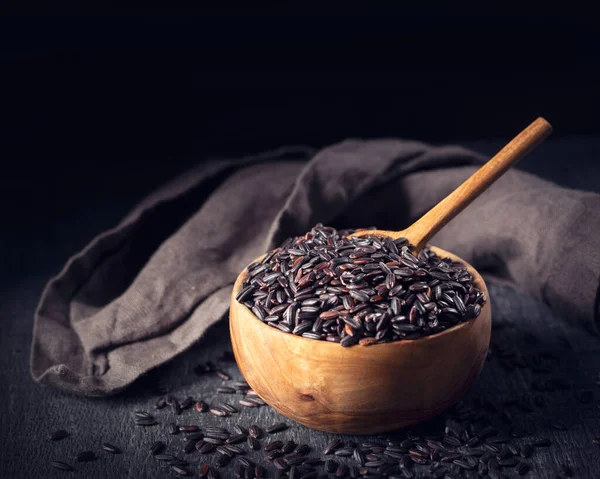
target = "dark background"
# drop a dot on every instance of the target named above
(100, 107)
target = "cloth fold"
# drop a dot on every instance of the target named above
(146, 290)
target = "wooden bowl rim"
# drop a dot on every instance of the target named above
(477, 280)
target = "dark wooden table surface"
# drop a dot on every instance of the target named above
(541, 377)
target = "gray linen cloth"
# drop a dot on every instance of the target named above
(143, 292)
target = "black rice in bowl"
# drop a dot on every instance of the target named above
(327, 285)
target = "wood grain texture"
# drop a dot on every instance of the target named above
(420, 232)
(359, 390)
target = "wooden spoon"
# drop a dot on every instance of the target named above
(420, 232)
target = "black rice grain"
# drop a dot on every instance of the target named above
(234, 449)
(225, 390)
(240, 384)
(110, 448)
(491, 447)
(344, 452)
(145, 421)
(248, 402)
(58, 435)
(189, 428)
(359, 456)
(281, 426)
(216, 436)
(205, 447)
(63, 466)
(218, 412)
(227, 408)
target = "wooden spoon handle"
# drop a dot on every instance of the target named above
(436, 218)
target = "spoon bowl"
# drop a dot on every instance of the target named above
(360, 389)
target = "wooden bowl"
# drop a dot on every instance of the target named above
(359, 389)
